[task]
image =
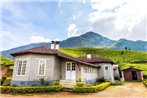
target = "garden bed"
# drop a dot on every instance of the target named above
(30, 89)
(91, 88)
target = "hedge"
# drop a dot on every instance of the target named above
(7, 81)
(145, 82)
(28, 90)
(91, 89)
(80, 84)
(117, 83)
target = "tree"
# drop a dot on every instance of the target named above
(126, 48)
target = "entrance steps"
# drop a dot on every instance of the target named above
(68, 83)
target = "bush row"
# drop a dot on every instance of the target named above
(28, 90)
(117, 83)
(145, 82)
(91, 89)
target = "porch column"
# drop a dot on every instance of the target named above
(112, 74)
(122, 74)
(141, 75)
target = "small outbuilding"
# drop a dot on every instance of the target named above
(132, 74)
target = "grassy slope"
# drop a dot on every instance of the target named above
(6, 61)
(114, 55)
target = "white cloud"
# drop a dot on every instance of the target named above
(37, 39)
(72, 30)
(122, 17)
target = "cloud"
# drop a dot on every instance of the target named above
(37, 39)
(72, 30)
(118, 18)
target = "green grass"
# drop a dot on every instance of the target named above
(11, 67)
(116, 56)
(6, 61)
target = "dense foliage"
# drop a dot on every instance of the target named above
(7, 81)
(91, 89)
(80, 84)
(28, 90)
(6, 61)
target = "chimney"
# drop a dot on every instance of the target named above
(55, 45)
(88, 56)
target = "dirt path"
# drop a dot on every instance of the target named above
(129, 90)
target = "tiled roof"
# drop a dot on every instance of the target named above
(38, 50)
(95, 60)
(46, 50)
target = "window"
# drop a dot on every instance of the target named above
(21, 67)
(68, 66)
(42, 64)
(106, 70)
(85, 69)
(73, 66)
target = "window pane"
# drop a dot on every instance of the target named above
(106, 70)
(24, 68)
(42, 68)
(73, 66)
(68, 66)
(19, 67)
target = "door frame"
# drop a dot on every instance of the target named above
(70, 71)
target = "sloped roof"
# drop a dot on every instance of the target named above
(46, 50)
(95, 60)
(127, 68)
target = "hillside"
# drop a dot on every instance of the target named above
(114, 55)
(123, 58)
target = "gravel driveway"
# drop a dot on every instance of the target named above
(128, 90)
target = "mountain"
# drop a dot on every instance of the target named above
(89, 39)
(133, 45)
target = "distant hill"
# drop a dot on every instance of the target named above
(89, 39)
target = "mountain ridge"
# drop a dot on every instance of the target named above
(89, 39)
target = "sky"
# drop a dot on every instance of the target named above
(33, 21)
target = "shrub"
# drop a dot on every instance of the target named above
(118, 83)
(29, 90)
(80, 84)
(91, 89)
(33, 84)
(145, 82)
(3, 79)
(80, 79)
(42, 82)
(56, 83)
(7, 81)
(117, 77)
(13, 85)
(102, 79)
